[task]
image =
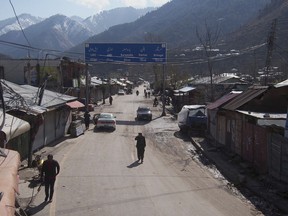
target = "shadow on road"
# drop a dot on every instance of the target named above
(126, 122)
(35, 209)
(134, 164)
(105, 130)
(183, 136)
(136, 122)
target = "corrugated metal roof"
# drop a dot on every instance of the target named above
(264, 115)
(97, 81)
(129, 82)
(186, 89)
(218, 79)
(29, 94)
(50, 98)
(193, 107)
(281, 84)
(223, 100)
(13, 126)
(266, 119)
(245, 97)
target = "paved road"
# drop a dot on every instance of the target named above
(100, 175)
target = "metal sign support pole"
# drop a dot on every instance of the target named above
(163, 95)
(87, 88)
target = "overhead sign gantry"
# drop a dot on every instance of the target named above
(127, 53)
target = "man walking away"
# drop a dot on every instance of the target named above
(110, 100)
(87, 119)
(140, 145)
(50, 170)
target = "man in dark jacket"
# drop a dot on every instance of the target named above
(140, 145)
(87, 119)
(110, 100)
(50, 170)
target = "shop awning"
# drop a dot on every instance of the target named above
(13, 126)
(75, 104)
(9, 165)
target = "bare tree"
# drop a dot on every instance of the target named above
(158, 73)
(150, 37)
(175, 77)
(208, 38)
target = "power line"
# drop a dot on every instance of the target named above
(20, 26)
(22, 46)
(270, 43)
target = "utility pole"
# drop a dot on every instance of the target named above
(29, 72)
(86, 88)
(3, 104)
(270, 44)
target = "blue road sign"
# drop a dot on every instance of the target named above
(125, 52)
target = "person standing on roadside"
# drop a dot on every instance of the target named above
(140, 145)
(50, 170)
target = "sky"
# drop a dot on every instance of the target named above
(82, 8)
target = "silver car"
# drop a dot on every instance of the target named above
(105, 120)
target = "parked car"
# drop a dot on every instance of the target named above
(121, 92)
(192, 117)
(105, 120)
(144, 113)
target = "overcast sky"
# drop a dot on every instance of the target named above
(82, 8)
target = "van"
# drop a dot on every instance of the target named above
(192, 117)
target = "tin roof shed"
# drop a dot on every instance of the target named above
(223, 100)
(282, 84)
(24, 97)
(248, 95)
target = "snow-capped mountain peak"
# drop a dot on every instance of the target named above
(12, 24)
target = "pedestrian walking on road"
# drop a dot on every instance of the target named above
(110, 100)
(49, 171)
(87, 119)
(140, 145)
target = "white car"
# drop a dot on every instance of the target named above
(121, 92)
(105, 120)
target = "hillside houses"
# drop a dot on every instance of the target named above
(198, 90)
(221, 85)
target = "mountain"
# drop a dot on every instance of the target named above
(256, 32)
(244, 27)
(55, 33)
(176, 22)
(251, 41)
(59, 32)
(105, 19)
(11, 24)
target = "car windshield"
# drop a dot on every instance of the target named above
(105, 115)
(143, 109)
